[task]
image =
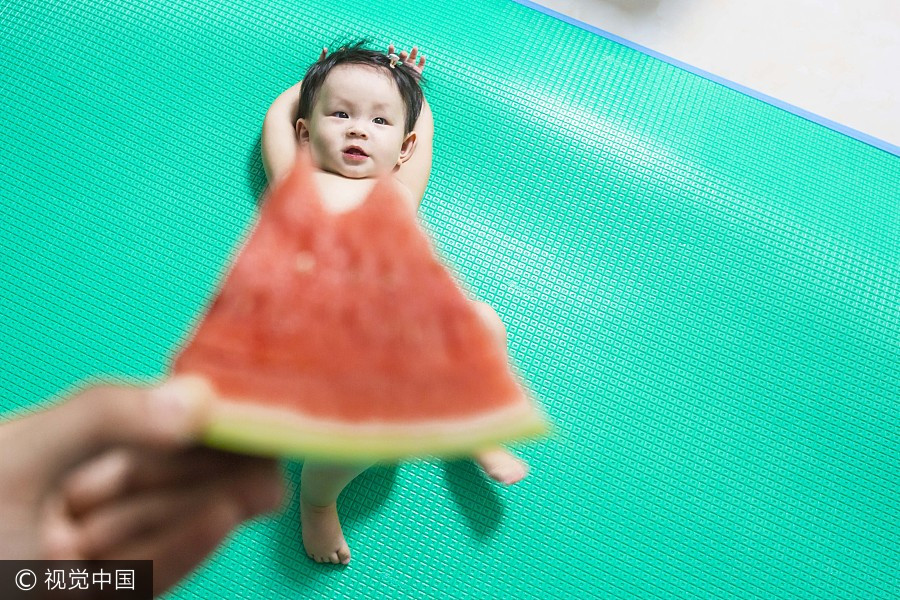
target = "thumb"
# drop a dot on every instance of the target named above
(172, 413)
(99, 417)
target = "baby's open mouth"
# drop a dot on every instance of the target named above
(355, 151)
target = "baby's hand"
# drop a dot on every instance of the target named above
(409, 58)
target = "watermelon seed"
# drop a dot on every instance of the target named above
(305, 262)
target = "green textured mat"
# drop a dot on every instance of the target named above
(703, 290)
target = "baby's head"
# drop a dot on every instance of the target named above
(357, 113)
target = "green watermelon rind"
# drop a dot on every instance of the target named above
(270, 432)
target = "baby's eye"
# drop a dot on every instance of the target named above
(380, 121)
(340, 115)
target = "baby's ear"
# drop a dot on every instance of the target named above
(408, 147)
(302, 131)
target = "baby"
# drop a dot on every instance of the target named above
(362, 114)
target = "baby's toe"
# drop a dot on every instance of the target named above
(514, 474)
(522, 472)
(344, 555)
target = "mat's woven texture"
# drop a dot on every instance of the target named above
(702, 289)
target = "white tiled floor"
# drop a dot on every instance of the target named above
(839, 59)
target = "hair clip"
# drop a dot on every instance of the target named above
(394, 58)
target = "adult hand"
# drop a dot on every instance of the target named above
(114, 473)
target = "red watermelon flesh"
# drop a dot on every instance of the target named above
(344, 335)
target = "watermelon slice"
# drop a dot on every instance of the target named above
(342, 335)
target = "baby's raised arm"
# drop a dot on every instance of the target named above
(414, 173)
(279, 136)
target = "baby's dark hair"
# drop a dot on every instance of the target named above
(407, 79)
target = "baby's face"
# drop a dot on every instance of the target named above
(356, 125)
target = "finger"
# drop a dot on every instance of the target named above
(178, 549)
(100, 417)
(97, 482)
(421, 63)
(391, 49)
(412, 55)
(112, 526)
(403, 55)
(323, 54)
(120, 473)
(103, 531)
(59, 535)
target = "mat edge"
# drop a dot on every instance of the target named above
(747, 91)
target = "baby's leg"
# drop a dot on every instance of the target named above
(320, 485)
(497, 462)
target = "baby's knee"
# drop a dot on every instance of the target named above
(492, 320)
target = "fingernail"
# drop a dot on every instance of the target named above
(174, 405)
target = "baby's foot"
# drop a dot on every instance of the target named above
(322, 536)
(501, 466)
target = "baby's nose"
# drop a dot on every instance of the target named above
(356, 128)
